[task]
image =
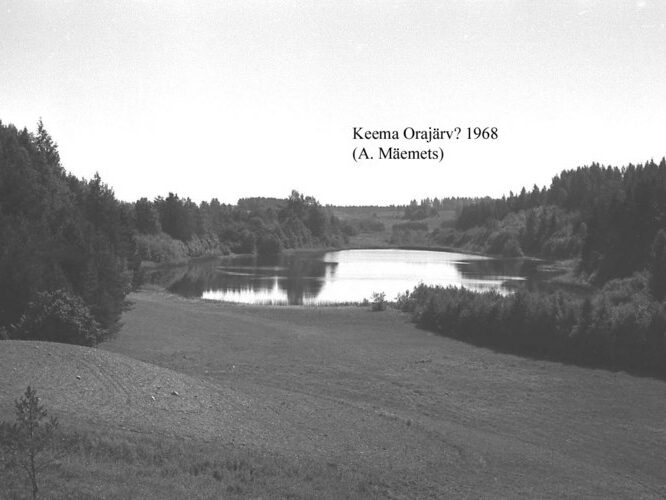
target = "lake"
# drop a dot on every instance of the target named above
(338, 277)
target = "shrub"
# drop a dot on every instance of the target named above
(161, 248)
(247, 243)
(378, 301)
(269, 244)
(348, 229)
(412, 226)
(620, 326)
(371, 225)
(511, 248)
(58, 317)
(203, 246)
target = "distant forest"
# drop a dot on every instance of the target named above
(70, 252)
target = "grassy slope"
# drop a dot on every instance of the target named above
(420, 414)
(330, 402)
(126, 435)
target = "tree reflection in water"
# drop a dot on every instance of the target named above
(305, 278)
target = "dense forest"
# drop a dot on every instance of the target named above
(610, 217)
(70, 252)
(612, 223)
(173, 229)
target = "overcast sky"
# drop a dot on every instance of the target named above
(247, 98)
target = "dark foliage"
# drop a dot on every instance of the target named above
(431, 207)
(378, 302)
(147, 219)
(58, 233)
(547, 231)
(58, 317)
(658, 266)
(488, 209)
(418, 211)
(609, 216)
(255, 225)
(619, 327)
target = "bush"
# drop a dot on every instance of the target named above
(204, 246)
(269, 245)
(161, 248)
(620, 326)
(412, 226)
(58, 317)
(378, 301)
(371, 225)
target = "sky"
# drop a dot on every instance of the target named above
(254, 98)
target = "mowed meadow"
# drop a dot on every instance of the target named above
(201, 399)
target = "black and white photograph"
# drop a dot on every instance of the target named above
(355, 249)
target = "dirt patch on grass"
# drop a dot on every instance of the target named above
(119, 392)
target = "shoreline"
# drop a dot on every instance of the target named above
(559, 273)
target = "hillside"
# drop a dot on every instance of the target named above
(115, 391)
(426, 415)
(332, 402)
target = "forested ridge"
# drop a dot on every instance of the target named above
(70, 252)
(610, 221)
(610, 217)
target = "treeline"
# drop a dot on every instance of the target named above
(546, 231)
(70, 252)
(608, 216)
(173, 228)
(620, 327)
(67, 252)
(428, 207)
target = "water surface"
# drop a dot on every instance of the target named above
(317, 278)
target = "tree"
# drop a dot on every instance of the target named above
(46, 145)
(658, 266)
(58, 232)
(296, 205)
(30, 435)
(269, 244)
(176, 217)
(378, 301)
(58, 317)
(147, 218)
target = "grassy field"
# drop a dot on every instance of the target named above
(135, 430)
(331, 402)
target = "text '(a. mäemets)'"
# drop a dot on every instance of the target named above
(430, 136)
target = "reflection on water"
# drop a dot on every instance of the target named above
(312, 278)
